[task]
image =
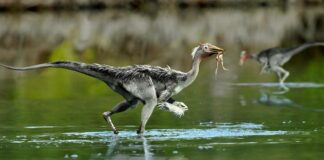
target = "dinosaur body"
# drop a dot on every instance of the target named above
(274, 58)
(151, 85)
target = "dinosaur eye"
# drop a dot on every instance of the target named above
(205, 47)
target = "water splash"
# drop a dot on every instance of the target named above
(39, 127)
(205, 130)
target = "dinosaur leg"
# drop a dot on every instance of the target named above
(285, 76)
(285, 73)
(263, 69)
(120, 107)
(279, 75)
(144, 90)
(146, 113)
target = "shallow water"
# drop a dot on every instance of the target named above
(207, 137)
(255, 124)
(287, 84)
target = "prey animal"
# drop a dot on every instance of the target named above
(151, 85)
(274, 58)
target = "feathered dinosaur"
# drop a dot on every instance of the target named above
(152, 85)
(274, 58)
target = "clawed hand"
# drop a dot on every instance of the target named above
(178, 108)
(180, 104)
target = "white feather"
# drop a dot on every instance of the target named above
(177, 110)
(194, 52)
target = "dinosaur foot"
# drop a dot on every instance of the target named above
(106, 116)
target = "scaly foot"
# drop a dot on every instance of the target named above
(106, 116)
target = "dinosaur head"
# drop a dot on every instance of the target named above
(243, 57)
(206, 50)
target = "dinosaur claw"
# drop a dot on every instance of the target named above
(182, 105)
(139, 132)
(178, 108)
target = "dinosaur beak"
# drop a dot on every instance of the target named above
(215, 50)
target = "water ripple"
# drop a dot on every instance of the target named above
(209, 130)
(290, 84)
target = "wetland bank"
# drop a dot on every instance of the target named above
(56, 114)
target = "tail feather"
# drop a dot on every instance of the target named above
(38, 66)
(92, 70)
(298, 49)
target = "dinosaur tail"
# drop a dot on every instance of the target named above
(93, 70)
(38, 66)
(298, 49)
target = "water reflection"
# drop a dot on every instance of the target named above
(282, 89)
(113, 146)
(146, 147)
(272, 99)
(273, 85)
(114, 151)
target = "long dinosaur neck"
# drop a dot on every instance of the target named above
(192, 74)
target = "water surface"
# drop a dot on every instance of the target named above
(255, 124)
